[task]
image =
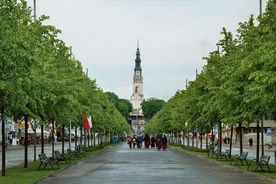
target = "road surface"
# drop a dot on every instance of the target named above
(120, 164)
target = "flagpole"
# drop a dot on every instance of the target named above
(85, 130)
(70, 136)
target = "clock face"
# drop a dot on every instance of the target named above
(137, 72)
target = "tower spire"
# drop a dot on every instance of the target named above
(138, 59)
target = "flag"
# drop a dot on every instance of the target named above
(90, 121)
(85, 122)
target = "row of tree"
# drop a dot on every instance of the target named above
(236, 86)
(41, 79)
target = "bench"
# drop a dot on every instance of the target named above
(80, 150)
(73, 154)
(242, 157)
(263, 162)
(61, 157)
(44, 160)
(212, 151)
(225, 154)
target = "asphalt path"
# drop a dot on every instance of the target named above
(120, 164)
(15, 154)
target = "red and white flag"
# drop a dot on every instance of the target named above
(87, 122)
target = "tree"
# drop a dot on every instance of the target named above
(122, 105)
(151, 106)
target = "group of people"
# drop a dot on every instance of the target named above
(159, 141)
(225, 140)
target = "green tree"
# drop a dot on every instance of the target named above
(122, 105)
(151, 106)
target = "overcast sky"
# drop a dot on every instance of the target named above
(174, 36)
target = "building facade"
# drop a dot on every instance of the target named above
(250, 131)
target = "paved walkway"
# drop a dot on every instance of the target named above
(15, 154)
(119, 165)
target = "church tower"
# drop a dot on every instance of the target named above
(137, 95)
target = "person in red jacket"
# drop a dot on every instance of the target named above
(129, 141)
(29, 140)
(159, 142)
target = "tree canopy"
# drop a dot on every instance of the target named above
(237, 85)
(42, 79)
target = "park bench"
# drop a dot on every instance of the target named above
(61, 157)
(263, 162)
(222, 154)
(44, 160)
(242, 157)
(212, 151)
(72, 153)
(80, 150)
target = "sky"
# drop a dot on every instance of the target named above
(174, 36)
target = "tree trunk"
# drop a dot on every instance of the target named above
(62, 134)
(231, 138)
(207, 143)
(262, 134)
(3, 144)
(35, 141)
(241, 146)
(53, 137)
(188, 138)
(193, 139)
(219, 141)
(258, 143)
(212, 134)
(81, 133)
(201, 144)
(94, 138)
(42, 139)
(26, 142)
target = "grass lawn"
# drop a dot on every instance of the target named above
(20, 175)
(203, 154)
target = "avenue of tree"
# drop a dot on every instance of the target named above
(236, 86)
(42, 80)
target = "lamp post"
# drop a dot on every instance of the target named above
(260, 7)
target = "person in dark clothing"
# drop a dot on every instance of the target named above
(129, 141)
(139, 141)
(164, 142)
(147, 141)
(152, 142)
(250, 142)
(134, 141)
(158, 142)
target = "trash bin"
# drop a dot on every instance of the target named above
(114, 139)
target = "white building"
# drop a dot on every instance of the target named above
(137, 97)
